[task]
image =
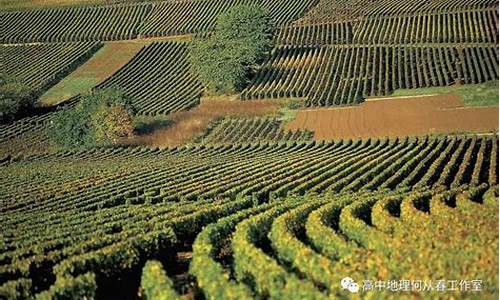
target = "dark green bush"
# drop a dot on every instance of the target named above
(15, 98)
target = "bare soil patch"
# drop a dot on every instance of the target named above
(436, 114)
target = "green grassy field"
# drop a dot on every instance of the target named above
(485, 94)
(103, 64)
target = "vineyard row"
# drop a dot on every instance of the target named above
(299, 247)
(40, 66)
(252, 130)
(464, 26)
(129, 21)
(339, 75)
(159, 79)
(67, 180)
(327, 11)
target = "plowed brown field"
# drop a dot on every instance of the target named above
(397, 117)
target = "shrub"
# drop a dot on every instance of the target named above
(294, 104)
(71, 128)
(155, 283)
(101, 117)
(117, 123)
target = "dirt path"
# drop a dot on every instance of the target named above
(435, 114)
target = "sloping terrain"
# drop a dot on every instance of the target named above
(362, 53)
(123, 206)
(217, 198)
(252, 130)
(158, 79)
(130, 20)
(25, 4)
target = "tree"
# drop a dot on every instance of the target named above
(101, 117)
(226, 61)
(15, 97)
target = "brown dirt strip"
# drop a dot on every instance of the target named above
(437, 114)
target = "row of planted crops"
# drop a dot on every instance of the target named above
(103, 177)
(340, 62)
(296, 247)
(130, 20)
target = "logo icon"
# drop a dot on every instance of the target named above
(349, 284)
